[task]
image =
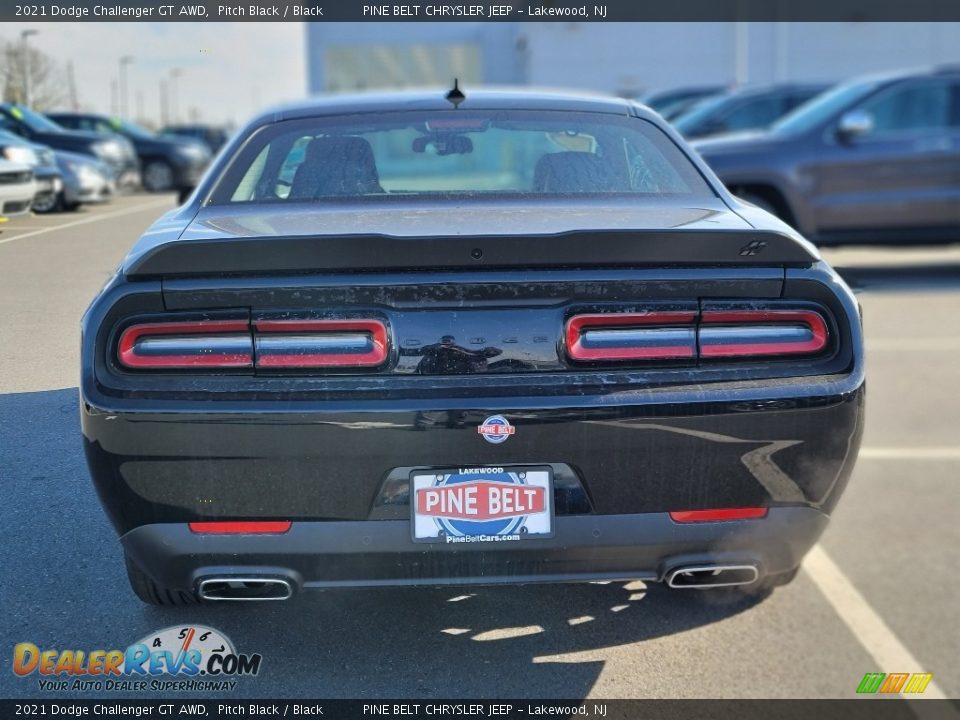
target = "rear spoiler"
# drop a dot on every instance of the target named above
(606, 248)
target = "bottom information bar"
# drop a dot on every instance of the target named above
(892, 709)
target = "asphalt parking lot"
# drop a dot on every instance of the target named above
(878, 594)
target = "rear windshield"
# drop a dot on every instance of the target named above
(458, 153)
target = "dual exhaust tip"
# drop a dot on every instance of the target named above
(245, 588)
(233, 588)
(712, 576)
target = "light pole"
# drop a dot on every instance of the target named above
(175, 95)
(164, 104)
(124, 61)
(24, 48)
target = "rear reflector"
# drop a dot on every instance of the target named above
(661, 335)
(692, 516)
(180, 345)
(242, 527)
(320, 343)
(761, 333)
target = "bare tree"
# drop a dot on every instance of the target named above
(48, 82)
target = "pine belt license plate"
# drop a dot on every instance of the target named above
(481, 505)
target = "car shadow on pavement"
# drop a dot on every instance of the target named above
(64, 587)
(485, 642)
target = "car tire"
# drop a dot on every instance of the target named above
(52, 204)
(158, 176)
(151, 593)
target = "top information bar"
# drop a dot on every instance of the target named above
(546, 11)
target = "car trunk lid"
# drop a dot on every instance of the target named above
(453, 236)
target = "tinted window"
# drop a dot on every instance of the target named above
(458, 153)
(754, 114)
(34, 120)
(914, 107)
(797, 99)
(823, 107)
(9, 125)
(702, 112)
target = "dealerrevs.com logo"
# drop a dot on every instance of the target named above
(177, 658)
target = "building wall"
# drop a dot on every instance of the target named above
(632, 58)
(393, 55)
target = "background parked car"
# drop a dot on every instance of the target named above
(49, 181)
(876, 158)
(671, 103)
(746, 109)
(113, 150)
(17, 188)
(213, 136)
(41, 160)
(85, 180)
(167, 162)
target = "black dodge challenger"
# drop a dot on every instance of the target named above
(422, 339)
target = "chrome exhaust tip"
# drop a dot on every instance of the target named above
(712, 576)
(244, 588)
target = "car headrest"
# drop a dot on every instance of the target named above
(335, 166)
(577, 172)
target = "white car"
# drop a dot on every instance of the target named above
(17, 188)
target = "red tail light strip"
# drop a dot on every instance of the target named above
(205, 343)
(668, 334)
(320, 343)
(718, 515)
(761, 333)
(242, 527)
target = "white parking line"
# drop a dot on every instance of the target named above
(865, 624)
(909, 453)
(907, 344)
(95, 218)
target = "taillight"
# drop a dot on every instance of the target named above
(241, 527)
(662, 335)
(713, 333)
(718, 515)
(761, 333)
(183, 345)
(232, 344)
(320, 343)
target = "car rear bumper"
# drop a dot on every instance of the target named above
(315, 555)
(324, 461)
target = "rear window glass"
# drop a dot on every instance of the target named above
(409, 154)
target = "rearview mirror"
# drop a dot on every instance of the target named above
(854, 124)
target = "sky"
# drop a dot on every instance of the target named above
(228, 71)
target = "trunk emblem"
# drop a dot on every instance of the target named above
(496, 429)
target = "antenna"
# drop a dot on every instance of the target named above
(456, 95)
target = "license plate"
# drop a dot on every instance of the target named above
(481, 505)
(45, 185)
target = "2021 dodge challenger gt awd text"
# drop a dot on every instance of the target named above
(415, 339)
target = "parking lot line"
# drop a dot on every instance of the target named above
(864, 623)
(923, 344)
(87, 220)
(909, 453)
